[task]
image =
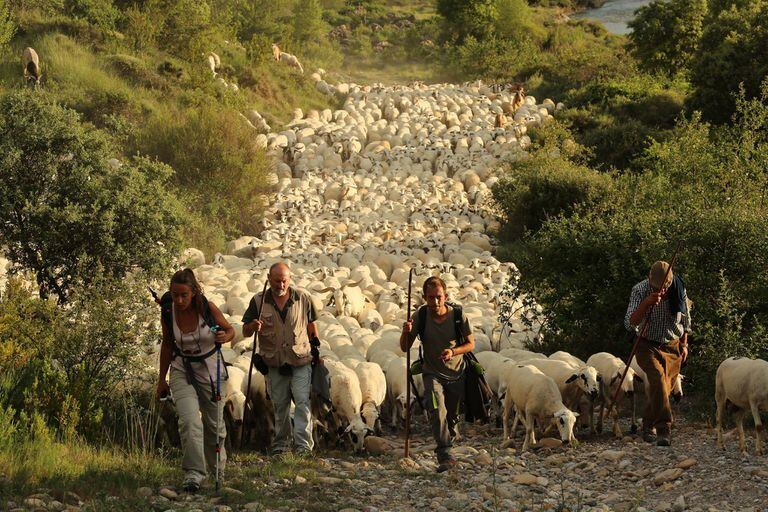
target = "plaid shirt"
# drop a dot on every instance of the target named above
(663, 326)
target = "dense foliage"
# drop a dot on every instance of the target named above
(702, 189)
(68, 214)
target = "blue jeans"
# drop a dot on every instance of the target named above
(281, 389)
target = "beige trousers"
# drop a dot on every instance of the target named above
(197, 426)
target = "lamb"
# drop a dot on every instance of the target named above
(214, 63)
(292, 61)
(31, 64)
(742, 383)
(373, 387)
(611, 368)
(536, 397)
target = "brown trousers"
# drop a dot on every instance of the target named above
(661, 364)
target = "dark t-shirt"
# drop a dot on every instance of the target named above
(439, 337)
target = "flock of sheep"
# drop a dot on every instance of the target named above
(400, 178)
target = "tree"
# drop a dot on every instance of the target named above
(514, 18)
(7, 26)
(67, 214)
(666, 33)
(463, 18)
(307, 21)
(732, 53)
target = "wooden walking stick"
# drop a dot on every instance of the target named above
(408, 376)
(250, 367)
(642, 334)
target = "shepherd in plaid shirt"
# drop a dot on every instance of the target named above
(659, 311)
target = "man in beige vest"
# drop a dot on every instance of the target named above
(286, 326)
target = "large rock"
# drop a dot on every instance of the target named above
(378, 445)
(668, 475)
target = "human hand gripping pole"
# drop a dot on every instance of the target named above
(408, 375)
(644, 330)
(246, 427)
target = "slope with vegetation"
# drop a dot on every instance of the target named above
(628, 171)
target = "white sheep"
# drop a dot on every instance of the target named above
(611, 368)
(31, 64)
(743, 383)
(347, 400)
(214, 63)
(292, 61)
(535, 397)
(373, 387)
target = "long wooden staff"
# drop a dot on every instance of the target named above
(642, 334)
(250, 367)
(408, 376)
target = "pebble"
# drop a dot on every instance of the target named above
(34, 503)
(299, 480)
(667, 475)
(232, 491)
(167, 493)
(525, 479)
(687, 463)
(612, 455)
(144, 492)
(329, 480)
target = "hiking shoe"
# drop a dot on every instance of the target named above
(649, 437)
(191, 486)
(446, 465)
(663, 440)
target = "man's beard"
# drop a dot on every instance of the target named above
(280, 293)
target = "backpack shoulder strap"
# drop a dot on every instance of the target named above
(208, 318)
(166, 310)
(422, 316)
(458, 324)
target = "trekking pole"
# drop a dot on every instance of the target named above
(408, 376)
(250, 366)
(218, 411)
(642, 334)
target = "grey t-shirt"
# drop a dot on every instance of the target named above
(438, 337)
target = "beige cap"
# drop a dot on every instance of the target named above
(657, 274)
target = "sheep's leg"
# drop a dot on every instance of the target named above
(633, 428)
(505, 420)
(720, 400)
(615, 414)
(758, 427)
(591, 408)
(739, 417)
(600, 416)
(528, 423)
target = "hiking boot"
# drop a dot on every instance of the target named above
(191, 486)
(446, 465)
(663, 440)
(649, 437)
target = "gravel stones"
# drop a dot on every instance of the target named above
(668, 475)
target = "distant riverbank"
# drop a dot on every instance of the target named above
(613, 14)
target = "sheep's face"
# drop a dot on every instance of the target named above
(369, 415)
(677, 388)
(565, 420)
(357, 430)
(236, 405)
(586, 378)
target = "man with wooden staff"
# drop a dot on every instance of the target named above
(285, 329)
(443, 365)
(659, 311)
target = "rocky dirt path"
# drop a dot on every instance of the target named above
(601, 473)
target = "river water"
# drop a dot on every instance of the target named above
(614, 14)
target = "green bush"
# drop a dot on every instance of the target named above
(7, 24)
(544, 187)
(666, 33)
(731, 54)
(218, 167)
(100, 13)
(108, 219)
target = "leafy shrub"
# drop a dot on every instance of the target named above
(219, 168)
(665, 34)
(55, 173)
(731, 55)
(98, 12)
(7, 24)
(544, 187)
